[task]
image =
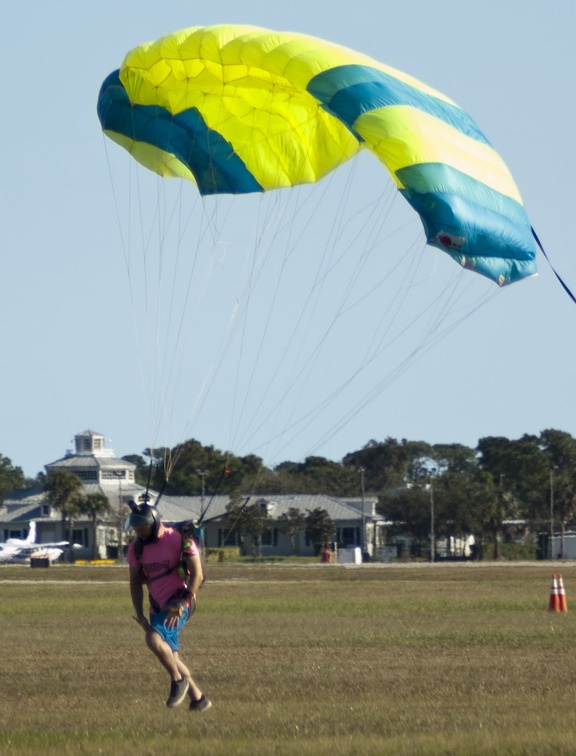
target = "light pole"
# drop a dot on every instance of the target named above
(432, 533)
(432, 529)
(202, 474)
(499, 517)
(119, 474)
(363, 534)
(552, 511)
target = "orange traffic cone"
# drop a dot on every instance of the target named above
(563, 606)
(554, 605)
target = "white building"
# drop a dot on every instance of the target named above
(101, 472)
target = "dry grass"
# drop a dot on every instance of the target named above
(313, 660)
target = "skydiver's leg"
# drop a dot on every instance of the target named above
(164, 654)
(193, 691)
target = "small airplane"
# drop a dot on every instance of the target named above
(20, 551)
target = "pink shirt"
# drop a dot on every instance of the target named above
(160, 557)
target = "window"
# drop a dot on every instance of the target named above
(97, 443)
(87, 474)
(80, 536)
(270, 537)
(227, 538)
(111, 474)
(348, 537)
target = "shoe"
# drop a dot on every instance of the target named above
(202, 704)
(178, 692)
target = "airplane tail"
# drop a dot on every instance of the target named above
(31, 538)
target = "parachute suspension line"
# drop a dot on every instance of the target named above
(428, 340)
(251, 281)
(343, 308)
(170, 311)
(175, 354)
(224, 474)
(126, 246)
(209, 228)
(151, 303)
(347, 382)
(285, 231)
(290, 242)
(426, 343)
(232, 326)
(307, 362)
(560, 280)
(288, 248)
(242, 304)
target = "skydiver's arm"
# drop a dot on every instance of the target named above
(195, 574)
(137, 596)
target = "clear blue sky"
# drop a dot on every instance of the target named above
(76, 347)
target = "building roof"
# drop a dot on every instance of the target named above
(93, 460)
(177, 508)
(25, 505)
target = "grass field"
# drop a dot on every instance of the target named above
(430, 659)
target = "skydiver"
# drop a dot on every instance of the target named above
(155, 556)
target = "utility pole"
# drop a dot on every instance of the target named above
(363, 534)
(499, 517)
(202, 474)
(119, 474)
(432, 518)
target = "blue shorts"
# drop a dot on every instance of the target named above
(170, 636)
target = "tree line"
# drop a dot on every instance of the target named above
(531, 480)
(475, 490)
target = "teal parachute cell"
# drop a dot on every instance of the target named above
(239, 109)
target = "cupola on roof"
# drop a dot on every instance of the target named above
(92, 443)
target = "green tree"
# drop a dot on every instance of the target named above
(523, 468)
(234, 521)
(455, 458)
(409, 510)
(318, 475)
(94, 505)
(385, 463)
(11, 477)
(291, 523)
(319, 528)
(190, 468)
(469, 503)
(64, 490)
(256, 522)
(560, 448)
(142, 468)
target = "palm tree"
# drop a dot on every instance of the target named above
(64, 490)
(94, 505)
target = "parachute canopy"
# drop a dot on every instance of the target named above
(241, 109)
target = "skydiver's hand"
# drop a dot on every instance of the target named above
(173, 616)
